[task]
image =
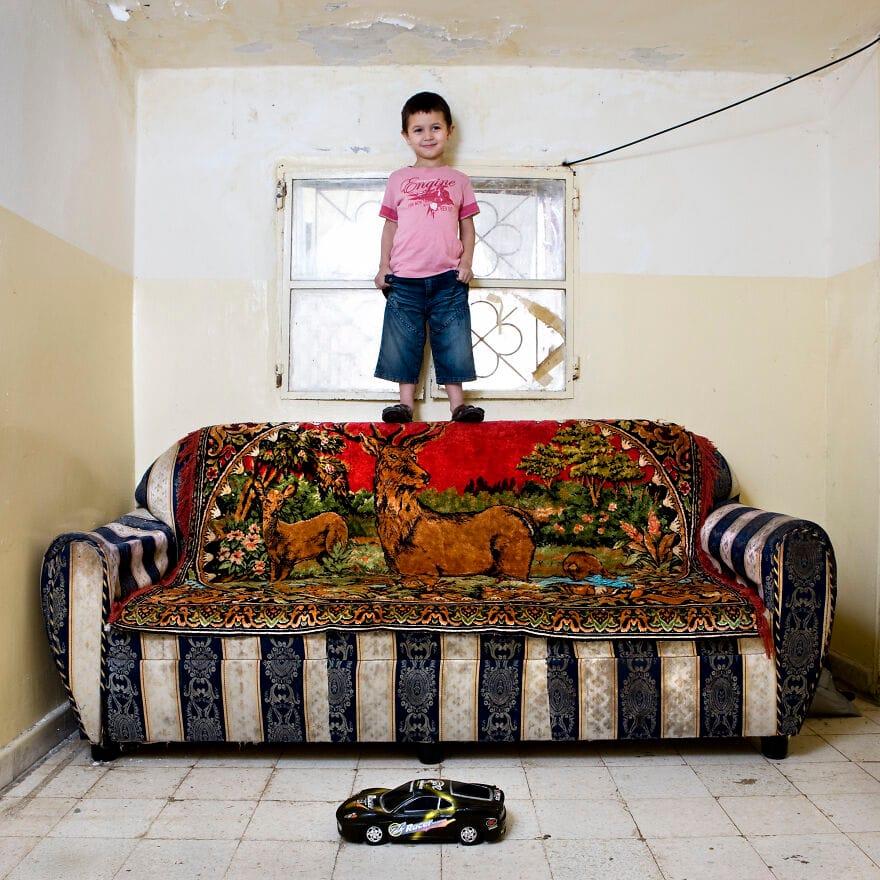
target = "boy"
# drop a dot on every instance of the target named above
(425, 264)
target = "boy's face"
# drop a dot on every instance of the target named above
(428, 134)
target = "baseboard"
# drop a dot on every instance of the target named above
(854, 674)
(27, 748)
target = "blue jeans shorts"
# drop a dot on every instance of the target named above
(441, 302)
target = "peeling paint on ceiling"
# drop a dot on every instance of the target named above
(655, 57)
(119, 12)
(364, 42)
(254, 48)
(783, 37)
(335, 44)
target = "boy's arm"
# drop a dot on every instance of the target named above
(388, 232)
(468, 236)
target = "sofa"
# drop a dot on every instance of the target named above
(436, 583)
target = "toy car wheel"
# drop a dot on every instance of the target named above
(469, 835)
(374, 835)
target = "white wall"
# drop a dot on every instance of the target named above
(852, 94)
(739, 194)
(67, 111)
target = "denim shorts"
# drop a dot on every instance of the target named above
(441, 302)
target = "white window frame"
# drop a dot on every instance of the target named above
(287, 171)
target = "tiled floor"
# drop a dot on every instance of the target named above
(603, 810)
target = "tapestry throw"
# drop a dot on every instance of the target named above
(570, 529)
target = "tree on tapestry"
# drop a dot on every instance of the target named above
(587, 455)
(599, 496)
(311, 454)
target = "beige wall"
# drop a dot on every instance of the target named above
(66, 417)
(66, 242)
(853, 368)
(739, 360)
(853, 477)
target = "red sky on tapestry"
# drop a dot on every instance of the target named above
(491, 462)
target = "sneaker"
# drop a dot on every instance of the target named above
(399, 413)
(467, 413)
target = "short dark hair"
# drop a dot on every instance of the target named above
(425, 102)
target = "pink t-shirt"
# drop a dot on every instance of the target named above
(426, 204)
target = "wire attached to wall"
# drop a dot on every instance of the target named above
(787, 82)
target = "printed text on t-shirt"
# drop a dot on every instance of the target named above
(433, 194)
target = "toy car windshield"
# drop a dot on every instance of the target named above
(391, 800)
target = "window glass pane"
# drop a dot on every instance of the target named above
(519, 339)
(336, 229)
(334, 340)
(520, 229)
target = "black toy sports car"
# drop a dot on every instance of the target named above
(424, 809)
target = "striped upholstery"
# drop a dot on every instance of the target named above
(739, 537)
(421, 686)
(83, 573)
(156, 489)
(790, 562)
(400, 687)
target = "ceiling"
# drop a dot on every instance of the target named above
(783, 37)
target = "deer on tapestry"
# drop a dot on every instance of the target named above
(423, 544)
(289, 543)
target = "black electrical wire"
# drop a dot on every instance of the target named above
(787, 82)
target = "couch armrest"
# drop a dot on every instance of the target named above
(83, 574)
(790, 563)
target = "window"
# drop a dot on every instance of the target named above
(521, 297)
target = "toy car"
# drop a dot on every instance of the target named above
(424, 809)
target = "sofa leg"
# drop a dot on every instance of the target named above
(430, 753)
(774, 747)
(106, 751)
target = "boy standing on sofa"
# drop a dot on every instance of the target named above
(425, 264)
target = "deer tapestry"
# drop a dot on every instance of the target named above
(572, 528)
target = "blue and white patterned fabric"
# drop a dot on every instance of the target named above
(417, 688)
(790, 563)
(83, 573)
